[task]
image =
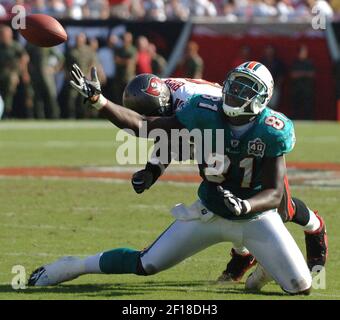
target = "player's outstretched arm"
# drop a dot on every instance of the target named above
(121, 117)
(125, 118)
(274, 170)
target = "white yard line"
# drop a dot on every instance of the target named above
(48, 125)
(58, 144)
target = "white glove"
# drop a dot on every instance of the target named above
(87, 88)
(235, 205)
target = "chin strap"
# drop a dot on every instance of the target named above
(255, 106)
(235, 112)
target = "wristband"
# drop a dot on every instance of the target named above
(101, 102)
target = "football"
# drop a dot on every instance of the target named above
(43, 31)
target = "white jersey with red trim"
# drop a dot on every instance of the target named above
(183, 89)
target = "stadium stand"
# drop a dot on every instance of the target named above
(115, 15)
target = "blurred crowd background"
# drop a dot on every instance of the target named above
(29, 75)
(34, 82)
(162, 10)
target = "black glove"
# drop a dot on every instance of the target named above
(235, 205)
(142, 180)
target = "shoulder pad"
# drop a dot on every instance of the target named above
(280, 134)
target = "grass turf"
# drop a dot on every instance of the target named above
(43, 219)
(93, 143)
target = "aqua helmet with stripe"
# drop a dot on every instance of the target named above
(247, 90)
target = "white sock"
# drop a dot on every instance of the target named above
(241, 250)
(92, 264)
(313, 223)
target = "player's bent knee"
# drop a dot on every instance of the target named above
(150, 269)
(145, 270)
(301, 287)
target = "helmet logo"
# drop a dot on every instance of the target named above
(154, 87)
(253, 65)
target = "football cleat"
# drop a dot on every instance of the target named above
(237, 267)
(64, 269)
(257, 279)
(317, 245)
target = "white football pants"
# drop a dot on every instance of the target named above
(266, 238)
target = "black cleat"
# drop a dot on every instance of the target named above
(317, 246)
(237, 267)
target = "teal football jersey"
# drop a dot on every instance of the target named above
(240, 167)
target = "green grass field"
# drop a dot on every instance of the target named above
(45, 218)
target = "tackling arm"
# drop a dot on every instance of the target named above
(125, 118)
(121, 117)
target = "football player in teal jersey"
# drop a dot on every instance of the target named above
(237, 204)
(291, 209)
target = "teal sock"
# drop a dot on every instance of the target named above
(118, 261)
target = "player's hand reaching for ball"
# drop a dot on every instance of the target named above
(235, 205)
(89, 89)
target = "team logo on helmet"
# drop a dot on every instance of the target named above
(252, 65)
(154, 87)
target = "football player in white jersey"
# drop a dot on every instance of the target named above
(156, 96)
(149, 95)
